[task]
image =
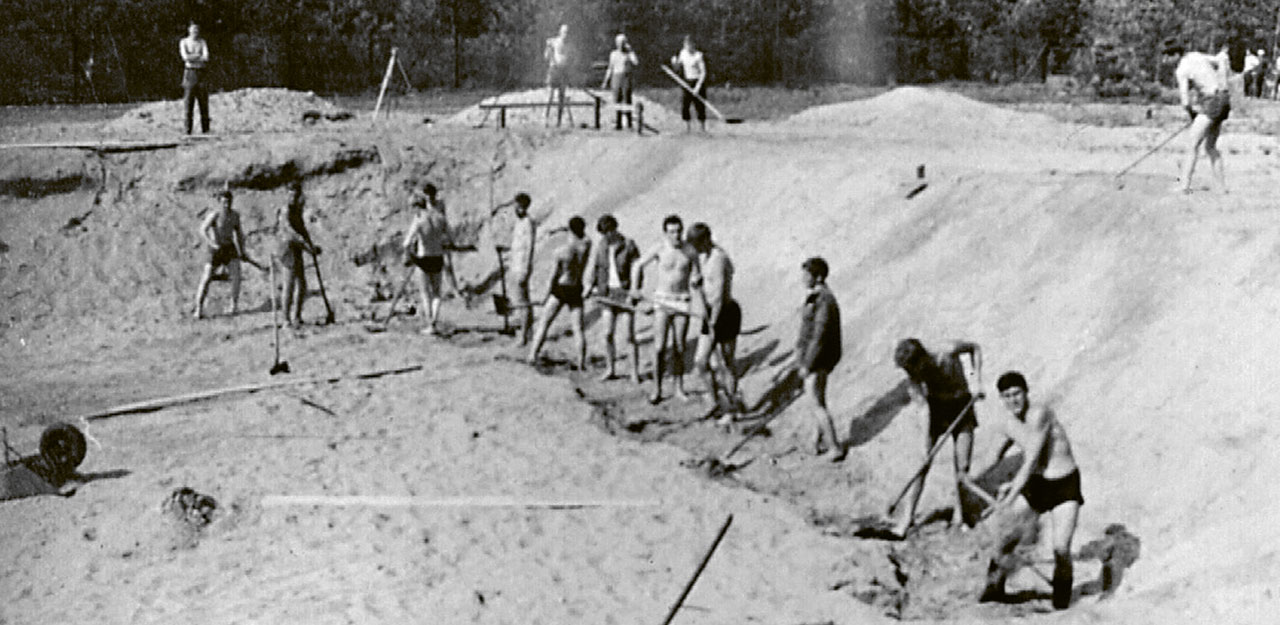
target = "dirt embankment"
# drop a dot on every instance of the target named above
(1134, 311)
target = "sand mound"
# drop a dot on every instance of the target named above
(916, 109)
(654, 114)
(241, 111)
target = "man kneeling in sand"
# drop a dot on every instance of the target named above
(1048, 482)
(566, 290)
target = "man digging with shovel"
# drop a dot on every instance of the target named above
(294, 240)
(947, 381)
(1048, 482)
(424, 248)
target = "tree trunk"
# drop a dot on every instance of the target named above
(457, 47)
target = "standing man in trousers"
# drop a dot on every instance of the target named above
(195, 55)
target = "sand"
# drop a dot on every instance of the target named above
(1142, 315)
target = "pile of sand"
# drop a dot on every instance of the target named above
(241, 111)
(654, 114)
(912, 110)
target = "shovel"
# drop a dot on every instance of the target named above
(391, 312)
(928, 461)
(280, 366)
(328, 310)
(684, 85)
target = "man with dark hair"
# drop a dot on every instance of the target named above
(609, 270)
(947, 382)
(425, 246)
(818, 350)
(523, 235)
(1202, 85)
(678, 275)
(195, 55)
(1048, 482)
(622, 64)
(723, 318)
(222, 234)
(566, 290)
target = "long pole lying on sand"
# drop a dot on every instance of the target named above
(705, 559)
(391, 501)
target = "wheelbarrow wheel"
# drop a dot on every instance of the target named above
(63, 448)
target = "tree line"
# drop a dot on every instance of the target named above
(118, 50)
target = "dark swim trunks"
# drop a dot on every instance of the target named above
(1216, 106)
(728, 325)
(569, 295)
(429, 264)
(222, 255)
(1044, 495)
(290, 254)
(943, 411)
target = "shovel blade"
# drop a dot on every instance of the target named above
(280, 367)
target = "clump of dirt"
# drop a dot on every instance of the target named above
(654, 114)
(241, 111)
(189, 507)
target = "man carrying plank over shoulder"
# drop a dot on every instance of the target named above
(693, 68)
(1048, 482)
(947, 381)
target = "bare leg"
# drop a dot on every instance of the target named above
(433, 283)
(727, 350)
(579, 336)
(549, 312)
(608, 318)
(203, 290)
(635, 346)
(816, 387)
(1199, 126)
(661, 328)
(424, 288)
(1003, 562)
(526, 323)
(1215, 157)
(1064, 519)
(913, 495)
(962, 446)
(680, 343)
(233, 269)
(702, 364)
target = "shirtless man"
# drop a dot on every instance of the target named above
(424, 247)
(556, 54)
(1202, 84)
(723, 318)
(294, 240)
(566, 290)
(678, 271)
(610, 273)
(225, 240)
(622, 64)
(1048, 482)
(947, 381)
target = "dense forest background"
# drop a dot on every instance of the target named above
(115, 50)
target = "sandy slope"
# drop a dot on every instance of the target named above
(1142, 314)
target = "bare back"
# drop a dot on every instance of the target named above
(1200, 75)
(571, 263)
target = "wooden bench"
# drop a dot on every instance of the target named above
(598, 103)
(502, 107)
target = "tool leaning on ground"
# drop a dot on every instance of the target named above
(684, 85)
(279, 366)
(937, 447)
(328, 310)
(1119, 177)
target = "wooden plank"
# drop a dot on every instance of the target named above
(118, 146)
(481, 501)
(530, 105)
(165, 402)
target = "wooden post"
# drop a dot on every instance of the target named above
(640, 118)
(597, 113)
(386, 79)
(502, 117)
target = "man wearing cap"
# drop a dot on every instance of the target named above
(195, 55)
(622, 60)
(225, 244)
